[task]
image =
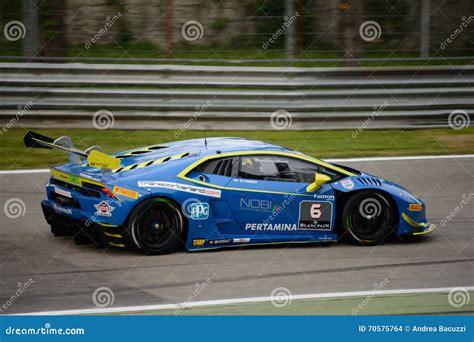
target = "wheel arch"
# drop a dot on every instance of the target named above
(167, 198)
(342, 198)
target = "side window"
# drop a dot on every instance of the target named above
(264, 167)
(303, 170)
(221, 167)
(280, 168)
(331, 173)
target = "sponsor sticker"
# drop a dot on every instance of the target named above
(255, 204)
(219, 242)
(324, 197)
(104, 209)
(61, 209)
(62, 192)
(67, 178)
(415, 207)
(347, 183)
(181, 187)
(315, 215)
(243, 180)
(199, 211)
(126, 192)
(241, 240)
(199, 242)
(282, 227)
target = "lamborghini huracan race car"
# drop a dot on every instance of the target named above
(219, 192)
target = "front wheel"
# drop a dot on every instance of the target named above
(368, 218)
(156, 226)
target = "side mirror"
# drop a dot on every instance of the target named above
(319, 179)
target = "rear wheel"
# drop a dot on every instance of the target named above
(368, 218)
(156, 226)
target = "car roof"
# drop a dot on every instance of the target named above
(160, 154)
(202, 146)
(224, 144)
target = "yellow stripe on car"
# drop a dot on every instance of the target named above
(116, 244)
(72, 179)
(429, 230)
(413, 223)
(106, 224)
(150, 162)
(113, 235)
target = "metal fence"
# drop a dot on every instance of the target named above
(224, 98)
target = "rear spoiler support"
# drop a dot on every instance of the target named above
(94, 154)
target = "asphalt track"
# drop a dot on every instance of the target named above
(65, 275)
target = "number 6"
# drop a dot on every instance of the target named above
(315, 210)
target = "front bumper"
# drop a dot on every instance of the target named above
(419, 228)
(429, 229)
(83, 231)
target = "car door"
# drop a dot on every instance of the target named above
(270, 200)
(218, 173)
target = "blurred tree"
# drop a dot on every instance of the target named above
(53, 28)
(304, 25)
(351, 17)
(10, 10)
(272, 16)
(125, 36)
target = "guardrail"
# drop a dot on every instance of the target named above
(205, 97)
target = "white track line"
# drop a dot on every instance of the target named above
(347, 160)
(23, 171)
(452, 156)
(207, 303)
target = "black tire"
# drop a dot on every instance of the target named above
(156, 226)
(368, 218)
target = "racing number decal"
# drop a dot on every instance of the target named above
(315, 210)
(315, 215)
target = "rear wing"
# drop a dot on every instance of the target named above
(94, 155)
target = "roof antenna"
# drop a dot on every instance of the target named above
(205, 140)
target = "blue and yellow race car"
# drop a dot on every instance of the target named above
(219, 192)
